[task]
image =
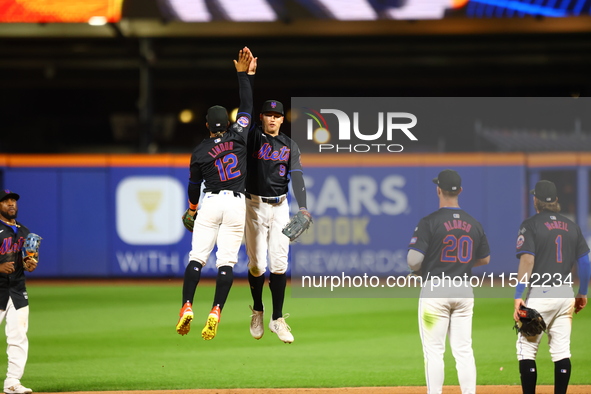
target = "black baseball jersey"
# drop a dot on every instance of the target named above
(270, 162)
(220, 162)
(451, 241)
(13, 285)
(555, 241)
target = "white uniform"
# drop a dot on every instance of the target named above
(438, 316)
(264, 222)
(17, 325)
(220, 220)
(558, 314)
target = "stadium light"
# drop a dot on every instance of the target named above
(186, 116)
(97, 21)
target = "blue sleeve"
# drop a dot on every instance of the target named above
(519, 289)
(584, 273)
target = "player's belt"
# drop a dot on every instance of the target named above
(268, 200)
(236, 194)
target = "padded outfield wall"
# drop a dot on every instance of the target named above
(119, 215)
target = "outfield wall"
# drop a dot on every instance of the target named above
(119, 215)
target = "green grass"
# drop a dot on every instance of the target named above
(122, 337)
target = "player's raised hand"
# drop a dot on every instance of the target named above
(244, 59)
(580, 302)
(252, 67)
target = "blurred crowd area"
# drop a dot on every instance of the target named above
(91, 95)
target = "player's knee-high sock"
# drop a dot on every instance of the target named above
(562, 370)
(191, 280)
(277, 283)
(529, 376)
(223, 285)
(256, 290)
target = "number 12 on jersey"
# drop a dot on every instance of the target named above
(227, 167)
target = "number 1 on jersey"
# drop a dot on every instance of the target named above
(558, 242)
(227, 167)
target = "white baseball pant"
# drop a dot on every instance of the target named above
(558, 315)
(17, 325)
(264, 223)
(220, 220)
(439, 317)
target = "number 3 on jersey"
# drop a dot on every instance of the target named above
(457, 249)
(227, 167)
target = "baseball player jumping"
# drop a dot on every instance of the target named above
(220, 162)
(273, 158)
(447, 244)
(548, 245)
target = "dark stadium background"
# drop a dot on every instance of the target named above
(76, 88)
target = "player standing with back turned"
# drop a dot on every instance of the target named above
(220, 162)
(273, 158)
(447, 243)
(548, 245)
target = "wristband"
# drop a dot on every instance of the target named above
(519, 289)
(192, 207)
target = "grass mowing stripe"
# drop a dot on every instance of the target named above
(122, 337)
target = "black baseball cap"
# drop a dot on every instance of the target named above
(272, 106)
(448, 180)
(545, 191)
(4, 194)
(217, 118)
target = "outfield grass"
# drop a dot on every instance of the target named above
(122, 337)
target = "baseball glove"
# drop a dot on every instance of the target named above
(297, 225)
(530, 323)
(189, 220)
(31, 248)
